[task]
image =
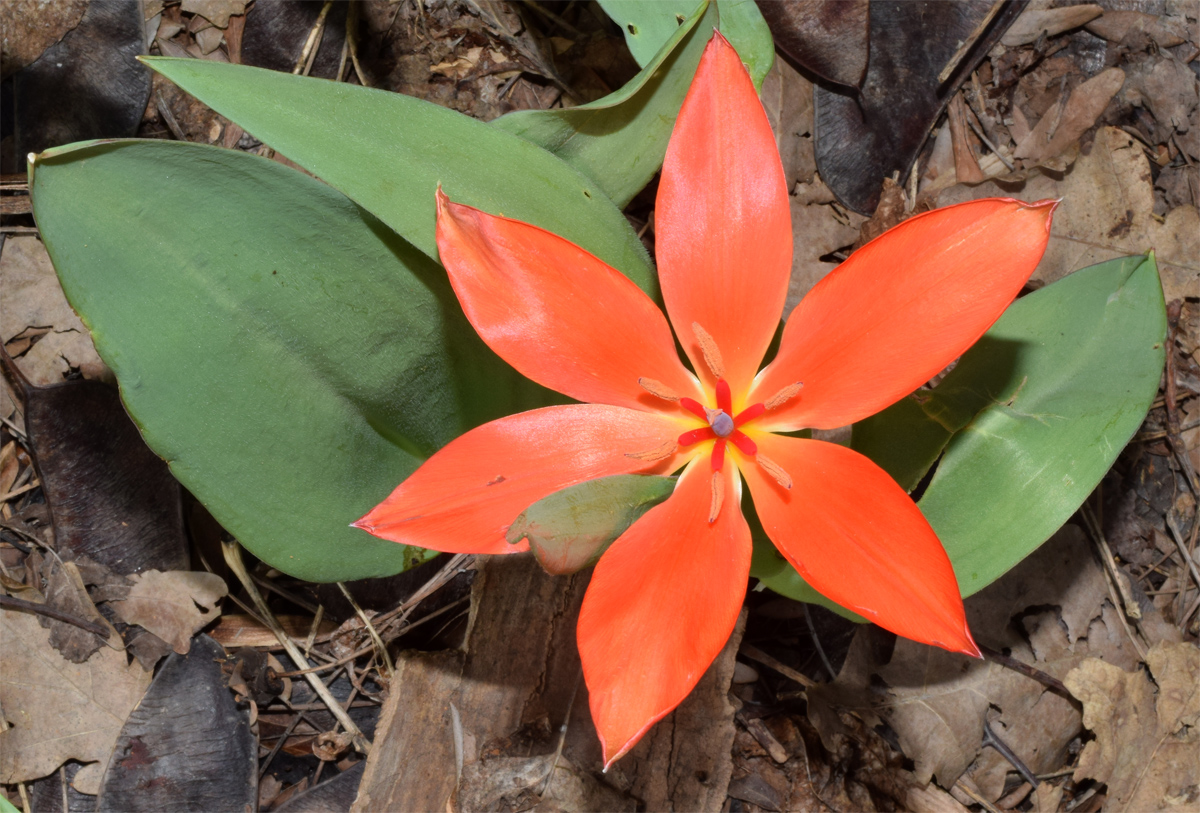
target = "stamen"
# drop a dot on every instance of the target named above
(697, 435)
(657, 389)
(784, 395)
(724, 397)
(775, 470)
(695, 407)
(718, 497)
(712, 356)
(748, 414)
(745, 445)
(661, 452)
(718, 455)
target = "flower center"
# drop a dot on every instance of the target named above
(723, 426)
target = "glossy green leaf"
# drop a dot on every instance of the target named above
(1029, 420)
(289, 356)
(648, 24)
(620, 140)
(569, 529)
(388, 153)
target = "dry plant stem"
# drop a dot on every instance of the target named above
(312, 630)
(380, 646)
(233, 557)
(304, 63)
(812, 631)
(984, 803)
(282, 593)
(1001, 747)
(553, 18)
(968, 42)
(1118, 590)
(12, 603)
(1049, 681)
(352, 39)
(541, 67)
(366, 649)
(562, 734)
(1063, 96)
(808, 775)
(1178, 537)
(755, 654)
(17, 492)
(975, 128)
(169, 117)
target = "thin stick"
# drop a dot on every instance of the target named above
(755, 654)
(1001, 747)
(380, 646)
(304, 63)
(233, 557)
(812, 631)
(1049, 681)
(58, 615)
(988, 806)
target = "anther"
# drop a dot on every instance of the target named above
(718, 497)
(708, 346)
(657, 389)
(661, 452)
(775, 470)
(784, 395)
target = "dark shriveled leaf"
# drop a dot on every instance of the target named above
(828, 37)
(865, 135)
(187, 746)
(111, 498)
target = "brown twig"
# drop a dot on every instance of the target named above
(755, 654)
(1001, 748)
(1049, 681)
(13, 603)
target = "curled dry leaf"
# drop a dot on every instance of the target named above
(174, 605)
(32, 306)
(60, 710)
(1107, 212)
(1115, 26)
(65, 591)
(1147, 738)
(1035, 21)
(1070, 118)
(938, 702)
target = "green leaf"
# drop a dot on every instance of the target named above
(619, 141)
(388, 153)
(569, 529)
(1029, 420)
(289, 356)
(648, 24)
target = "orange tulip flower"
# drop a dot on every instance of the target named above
(664, 597)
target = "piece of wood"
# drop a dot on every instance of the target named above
(513, 688)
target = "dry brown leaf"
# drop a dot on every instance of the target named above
(216, 12)
(937, 701)
(30, 296)
(1060, 128)
(174, 605)
(1147, 741)
(1114, 26)
(788, 100)
(65, 591)
(60, 710)
(1033, 21)
(32, 26)
(1168, 88)
(1107, 212)
(819, 227)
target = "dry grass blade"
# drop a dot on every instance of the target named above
(233, 557)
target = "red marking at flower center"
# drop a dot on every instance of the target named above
(722, 425)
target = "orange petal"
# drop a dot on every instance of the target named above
(724, 232)
(900, 309)
(857, 538)
(463, 499)
(661, 604)
(556, 313)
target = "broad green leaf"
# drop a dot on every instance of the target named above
(619, 141)
(388, 153)
(648, 24)
(569, 529)
(1029, 420)
(289, 356)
